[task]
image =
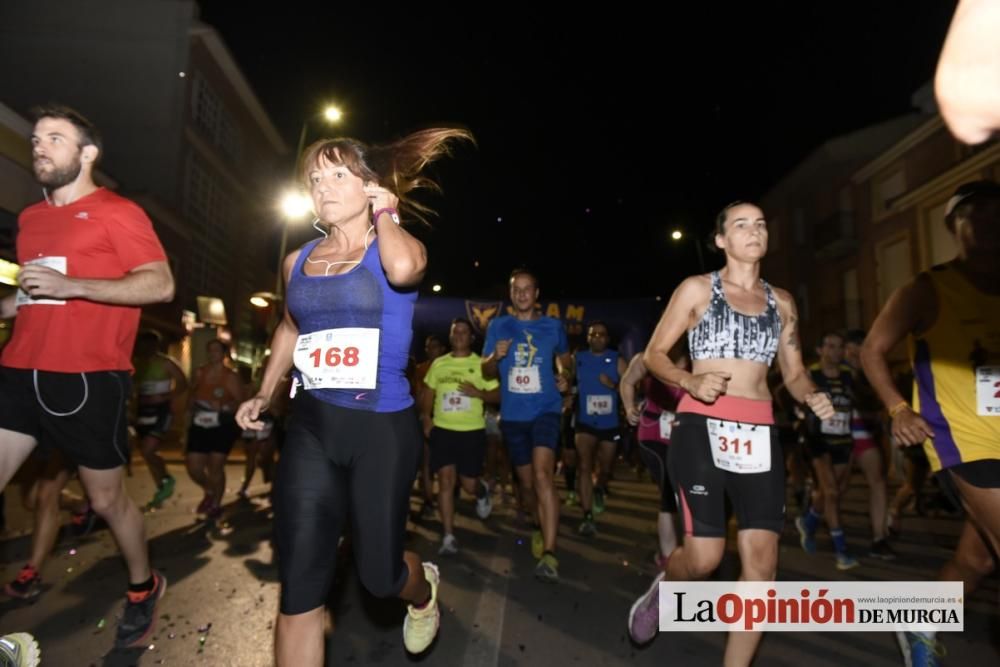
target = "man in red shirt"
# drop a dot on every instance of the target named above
(90, 258)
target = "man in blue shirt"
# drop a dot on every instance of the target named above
(529, 354)
(598, 372)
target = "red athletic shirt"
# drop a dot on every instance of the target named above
(101, 235)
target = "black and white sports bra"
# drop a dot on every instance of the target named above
(723, 333)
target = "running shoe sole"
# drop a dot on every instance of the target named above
(635, 606)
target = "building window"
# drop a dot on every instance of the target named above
(197, 192)
(210, 209)
(229, 139)
(214, 121)
(207, 107)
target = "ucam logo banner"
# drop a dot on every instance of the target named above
(481, 312)
(811, 606)
(630, 320)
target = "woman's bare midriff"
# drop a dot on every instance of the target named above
(749, 378)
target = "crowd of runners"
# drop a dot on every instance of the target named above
(723, 437)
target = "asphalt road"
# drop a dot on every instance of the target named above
(222, 596)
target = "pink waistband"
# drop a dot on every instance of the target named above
(732, 408)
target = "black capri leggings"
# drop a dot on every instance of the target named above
(654, 457)
(338, 461)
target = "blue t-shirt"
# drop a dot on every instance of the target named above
(527, 373)
(597, 404)
(359, 299)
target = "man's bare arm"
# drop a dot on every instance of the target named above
(147, 283)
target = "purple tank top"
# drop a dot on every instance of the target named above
(361, 298)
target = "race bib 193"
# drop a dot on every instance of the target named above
(599, 404)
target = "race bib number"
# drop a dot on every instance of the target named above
(988, 391)
(54, 263)
(263, 434)
(524, 380)
(600, 404)
(838, 424)
(154, 387)
(338, 358)
(666, 424)
(740, 448)
(206, 418)
(456, 401)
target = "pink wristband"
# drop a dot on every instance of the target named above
(393, 213)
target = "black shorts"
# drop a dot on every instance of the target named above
(758, 499)
(154, 420)
(341, 464)
(654, 457)
(840, 453)
(466, 450)
(787, 436)
(567, 432)
(982, 474)
(215, 440)
(602, 434)
(262, 434)
(89, 425)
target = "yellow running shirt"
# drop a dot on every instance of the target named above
(956, 366)
(453, 410)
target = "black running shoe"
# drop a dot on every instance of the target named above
(139, 616)
(82, 523)
(881, 549)
(27, 584)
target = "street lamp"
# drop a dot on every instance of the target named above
(263, 299)
(330, 114)
(333, 114)
(294, 204)
(677, 235)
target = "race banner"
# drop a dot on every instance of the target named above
(629, 321)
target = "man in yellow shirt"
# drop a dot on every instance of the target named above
(951, 315)
(451, 408)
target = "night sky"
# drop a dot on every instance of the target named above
(597, 133)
